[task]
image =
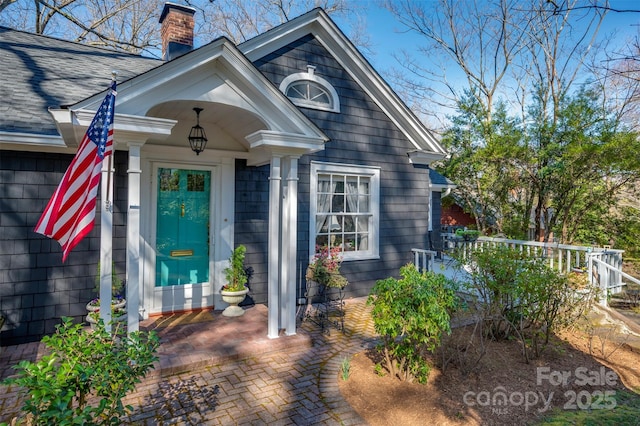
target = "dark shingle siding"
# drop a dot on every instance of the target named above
(36, 288)
(252, 223)
(361, 134)
(436, 237)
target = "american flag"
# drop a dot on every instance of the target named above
(70, 214)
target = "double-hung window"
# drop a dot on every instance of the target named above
(345, 209)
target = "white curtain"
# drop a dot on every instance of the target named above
(352, 194)
(326, 188)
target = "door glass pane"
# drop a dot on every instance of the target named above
(169, 180)
(195, 182)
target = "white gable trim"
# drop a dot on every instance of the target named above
(423, 157)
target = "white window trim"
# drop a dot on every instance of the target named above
(310, 76)
(374, 225)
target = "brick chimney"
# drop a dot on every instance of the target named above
(177, 30)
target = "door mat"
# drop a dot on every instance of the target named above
(177, 319)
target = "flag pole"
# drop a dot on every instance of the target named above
(114, 75)
(106, 238)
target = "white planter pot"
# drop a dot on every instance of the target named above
(233, 298)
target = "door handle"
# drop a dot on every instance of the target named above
(182, 210)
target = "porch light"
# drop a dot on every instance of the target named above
(197, 137)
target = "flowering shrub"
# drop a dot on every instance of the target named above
(325, 267)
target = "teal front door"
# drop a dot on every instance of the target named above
(182, 235)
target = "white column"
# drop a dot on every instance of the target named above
(289, 247)
(133, 239)
(275, 181)
(284, 240)
(106, 242)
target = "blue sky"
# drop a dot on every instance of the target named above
(386, 36)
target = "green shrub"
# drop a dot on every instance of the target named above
(84, 375)
(520, 296)
(411, 314)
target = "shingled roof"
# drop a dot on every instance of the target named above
(40, 72)
(440, 180)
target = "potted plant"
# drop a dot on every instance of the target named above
(235, 290)
(118, 314)
(468, 234)
(117, 287)
(324, 268)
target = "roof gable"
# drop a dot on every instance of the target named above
(318, 23)
(237, 102)
(216, 72)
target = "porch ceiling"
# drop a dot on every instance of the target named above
(226, 126)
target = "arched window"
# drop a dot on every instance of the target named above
(307, 90)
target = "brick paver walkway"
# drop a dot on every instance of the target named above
(289, 386)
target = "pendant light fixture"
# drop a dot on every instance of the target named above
(197, 137)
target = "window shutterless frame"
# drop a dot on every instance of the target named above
(344, 209)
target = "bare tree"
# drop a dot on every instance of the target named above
(137, 19)
(5, 3)
(132, 25)
(618, 75)
(240, 20)
(481, 38)
(128, 25)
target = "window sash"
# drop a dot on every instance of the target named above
(309, 92)
(345, 209)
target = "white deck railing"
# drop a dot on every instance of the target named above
(424, 259)
(607, 276)
(603, 265)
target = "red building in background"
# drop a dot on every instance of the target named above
(454, 215)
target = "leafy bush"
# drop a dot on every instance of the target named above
(520, 296)
(411, 314)
(84, 375)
